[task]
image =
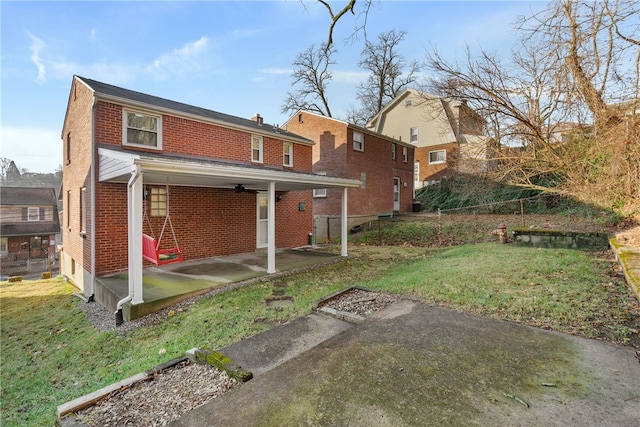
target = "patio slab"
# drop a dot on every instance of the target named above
(166, 285)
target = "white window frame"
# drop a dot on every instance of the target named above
(437, 162)
(287, 154)
(393, 151)
(358, 141)
(320, 192)
(158, 201)
(83, 210)
(405, 154)
(257, 148)
(31, 216)
(125, 128)
(4, 245)
(413, 135)
(363, 180)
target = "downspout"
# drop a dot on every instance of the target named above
(135, 174)
(92, 276)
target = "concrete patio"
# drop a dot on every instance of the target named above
(171, 283)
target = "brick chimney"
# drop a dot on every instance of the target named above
(257, 119)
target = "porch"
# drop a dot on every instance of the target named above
(166, 285)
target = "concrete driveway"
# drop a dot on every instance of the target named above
(415, 365)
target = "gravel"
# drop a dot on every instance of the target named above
(161, 399)
(174, 391)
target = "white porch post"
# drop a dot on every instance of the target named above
(344, 223)
(135, 240)
(271, 226)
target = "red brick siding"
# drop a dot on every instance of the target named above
(208, 222)
(428, 171)
(334, 154)
(76, 173)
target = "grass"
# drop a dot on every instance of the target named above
(51, 353)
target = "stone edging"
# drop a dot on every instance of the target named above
(629, 259)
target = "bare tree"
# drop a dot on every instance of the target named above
(556, 105)
(349, 7)
(389, 74)
(312, 75)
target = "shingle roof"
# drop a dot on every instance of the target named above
(155, 101)
(25, 196)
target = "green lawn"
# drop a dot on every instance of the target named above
(51, 354)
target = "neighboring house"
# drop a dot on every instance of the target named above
(449, 136)
(132, 161)
(29, 224)
(383, 165)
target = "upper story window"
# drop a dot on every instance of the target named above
(33, 214)
(407, 102)
(256, 149)
(393, 150)
(413, 135)
(142, 129)
(439, 156)
(358, 141)
(68, 149)
(287, 154)
(405, 154)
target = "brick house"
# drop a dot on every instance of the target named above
(448, 136)
(384, 167)
(29, 225)
(131, 161)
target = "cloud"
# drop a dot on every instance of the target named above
(349, 76)
(179, 61)
(35, 149)
(36, 47)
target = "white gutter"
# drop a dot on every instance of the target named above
(135, 174)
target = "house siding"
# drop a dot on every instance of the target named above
(208, 222)
(334, 154)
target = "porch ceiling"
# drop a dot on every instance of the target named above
(117, 166)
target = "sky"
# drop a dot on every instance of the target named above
(234, 57)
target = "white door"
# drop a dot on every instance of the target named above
(396, 194)
(262, 215)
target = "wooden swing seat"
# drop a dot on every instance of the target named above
(159, 256)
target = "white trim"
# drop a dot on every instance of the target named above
(358, 144)
(260, 234)
(260, 148)
(285, 154)
(438, 162)
(125, 127)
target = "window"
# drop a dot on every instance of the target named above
(256, 149)
(393, 150)
(68, 209)
(158, 201)
(300, 118)
(142, 129)
(413, 135)
(358, 141)
(33, 214)
(287, 154)
(68, 153)
(83, 210)
(4, 245)
(407, 102)
(363, 180)
(320, 192)
(405, 154)
(436, 157)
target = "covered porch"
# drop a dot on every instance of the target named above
(166, 285)
(138, 170)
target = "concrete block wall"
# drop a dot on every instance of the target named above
(560, 239)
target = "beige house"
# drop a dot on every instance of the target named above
(448, 135)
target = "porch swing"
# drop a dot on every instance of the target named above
(151, 247)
